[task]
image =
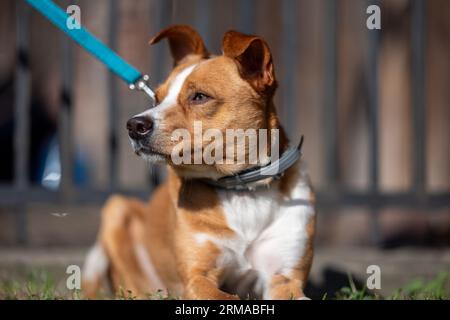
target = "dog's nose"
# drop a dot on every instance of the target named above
(139, 127)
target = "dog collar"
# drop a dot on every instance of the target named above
(245, 180)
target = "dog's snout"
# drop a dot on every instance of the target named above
(139, 127)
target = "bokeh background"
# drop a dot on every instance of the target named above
(373, 106)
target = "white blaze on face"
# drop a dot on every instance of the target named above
(157, 113)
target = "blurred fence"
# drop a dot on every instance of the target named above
(332, 194)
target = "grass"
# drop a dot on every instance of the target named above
(418, 289)
(436, 289)
(39, 285)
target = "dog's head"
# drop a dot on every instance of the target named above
(203, 96)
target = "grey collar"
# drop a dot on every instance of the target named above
(246, 180)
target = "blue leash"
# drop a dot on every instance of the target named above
(94, 46)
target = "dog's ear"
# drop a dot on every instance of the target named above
(253, 57)
(183, 40)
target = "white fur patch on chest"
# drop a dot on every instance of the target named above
(270, 235)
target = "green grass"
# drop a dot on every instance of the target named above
(418, 289)
(39, 285)
(436, 289)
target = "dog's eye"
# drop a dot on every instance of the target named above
(199, 98)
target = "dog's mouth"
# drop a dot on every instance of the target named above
(147, 151)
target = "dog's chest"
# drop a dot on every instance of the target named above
(270, 235)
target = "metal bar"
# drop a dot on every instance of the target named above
(383, 200)
(113, 98)
(418, 94)
(160, 19)
(202, 22)
(21, 118)
(330, 98)
(160, 60)
(246, 15)
(373, 101)
(65, 118)
(325, 199)
(290, 59)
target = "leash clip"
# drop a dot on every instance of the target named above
(142, 85)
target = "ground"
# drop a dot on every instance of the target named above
(338, 273)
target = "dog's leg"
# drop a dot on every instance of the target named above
(120, 218)
(201, 276)
(94, 271)
(285, 288)
(203, 286)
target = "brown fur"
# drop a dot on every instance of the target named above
(241, 82)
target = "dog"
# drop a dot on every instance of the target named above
(198, 238)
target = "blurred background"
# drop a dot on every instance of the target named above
(373, 106)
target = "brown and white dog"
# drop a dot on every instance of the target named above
(194, 240)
